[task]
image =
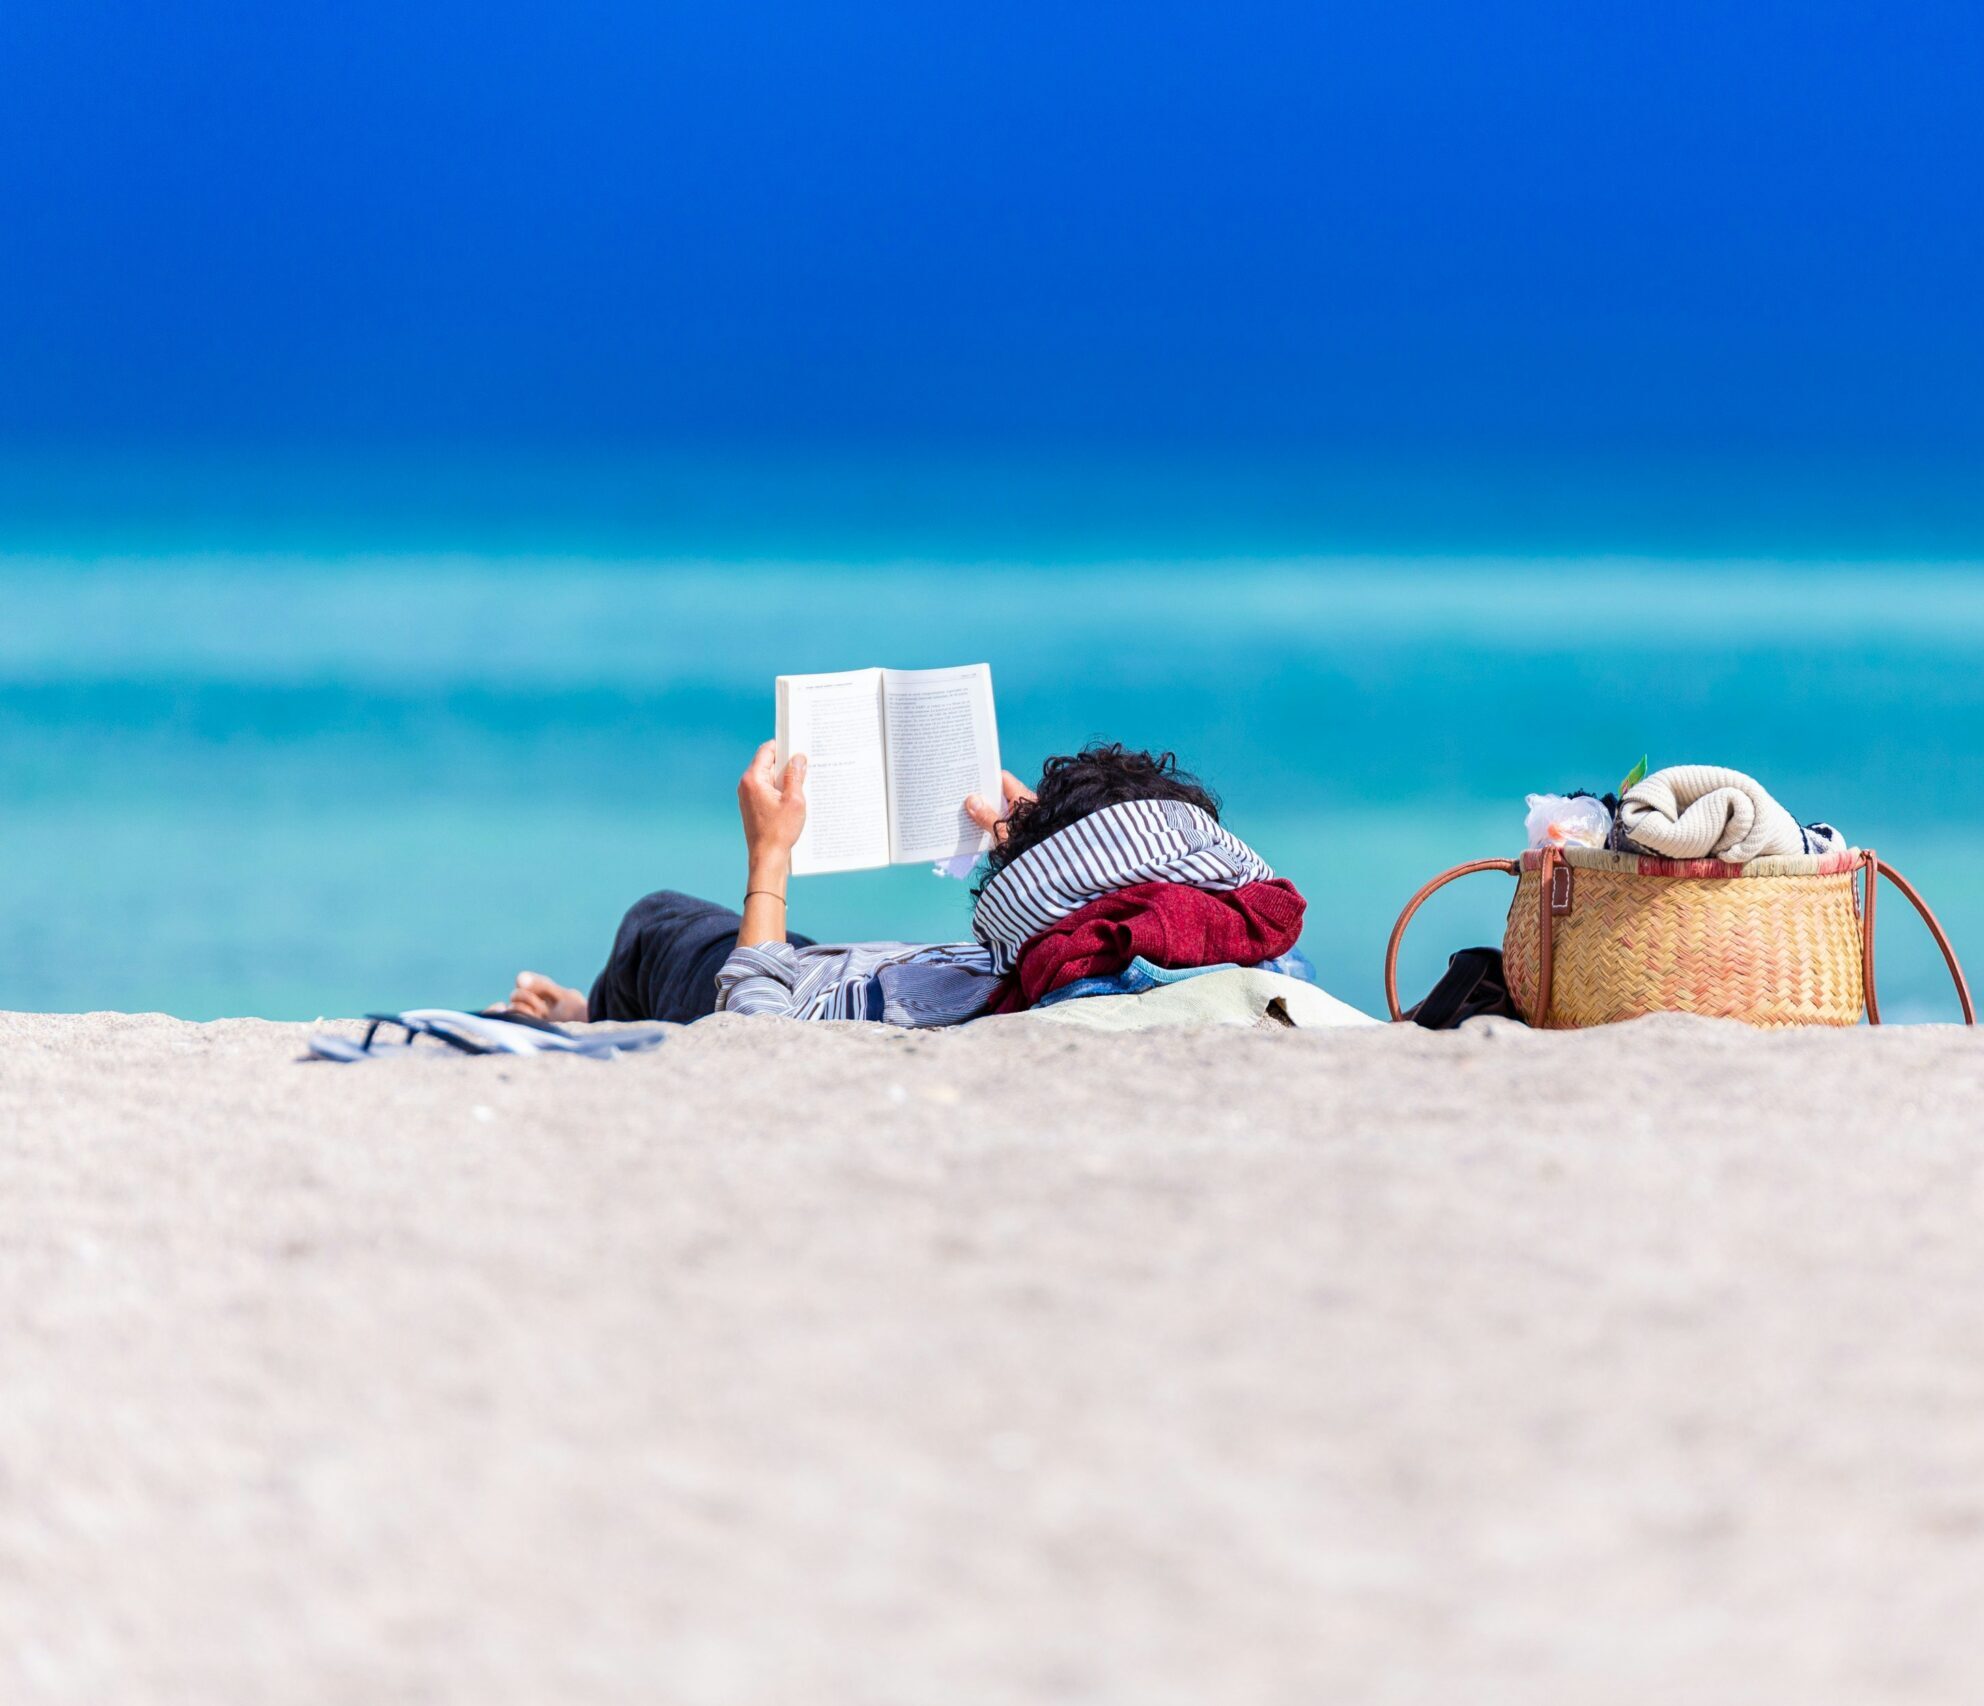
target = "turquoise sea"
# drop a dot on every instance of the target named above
(293, 780)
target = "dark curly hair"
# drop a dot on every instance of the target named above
(1075, 784)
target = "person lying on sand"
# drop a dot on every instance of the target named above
(1114, 853)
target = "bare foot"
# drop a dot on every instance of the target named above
(538, 996)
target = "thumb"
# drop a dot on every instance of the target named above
(980, 810)
(795, 777)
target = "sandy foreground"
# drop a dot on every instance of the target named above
(837, 1365)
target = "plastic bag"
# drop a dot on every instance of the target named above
(1559, 820)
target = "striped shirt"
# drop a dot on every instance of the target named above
(827, 980)
(1139, 841)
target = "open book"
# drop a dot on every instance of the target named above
(890, 756)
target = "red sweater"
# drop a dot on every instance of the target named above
(1169, 924)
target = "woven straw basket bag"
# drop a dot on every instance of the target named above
(1595, 937)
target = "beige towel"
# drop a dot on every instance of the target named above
(1244, 995)
(1701, 811)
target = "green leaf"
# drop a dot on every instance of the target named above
(1636, 774)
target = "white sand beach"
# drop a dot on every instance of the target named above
(834, 1365)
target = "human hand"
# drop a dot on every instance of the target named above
(992, 818)
(773, 809)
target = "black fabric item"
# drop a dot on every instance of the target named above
(1471, 986)
(665, 959)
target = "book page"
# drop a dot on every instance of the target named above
(836, 720)
(943, 743)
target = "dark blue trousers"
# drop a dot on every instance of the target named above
(665, 959)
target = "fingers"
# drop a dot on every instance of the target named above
(528, 996)
(758, 786)
(992, 818)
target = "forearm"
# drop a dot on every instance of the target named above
(764, 899)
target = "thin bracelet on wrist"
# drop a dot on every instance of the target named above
(769, 894)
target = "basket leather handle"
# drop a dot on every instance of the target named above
(1546, 931)
(1508, 867)
(1873, 867)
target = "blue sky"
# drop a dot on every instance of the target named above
(1584, 237)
